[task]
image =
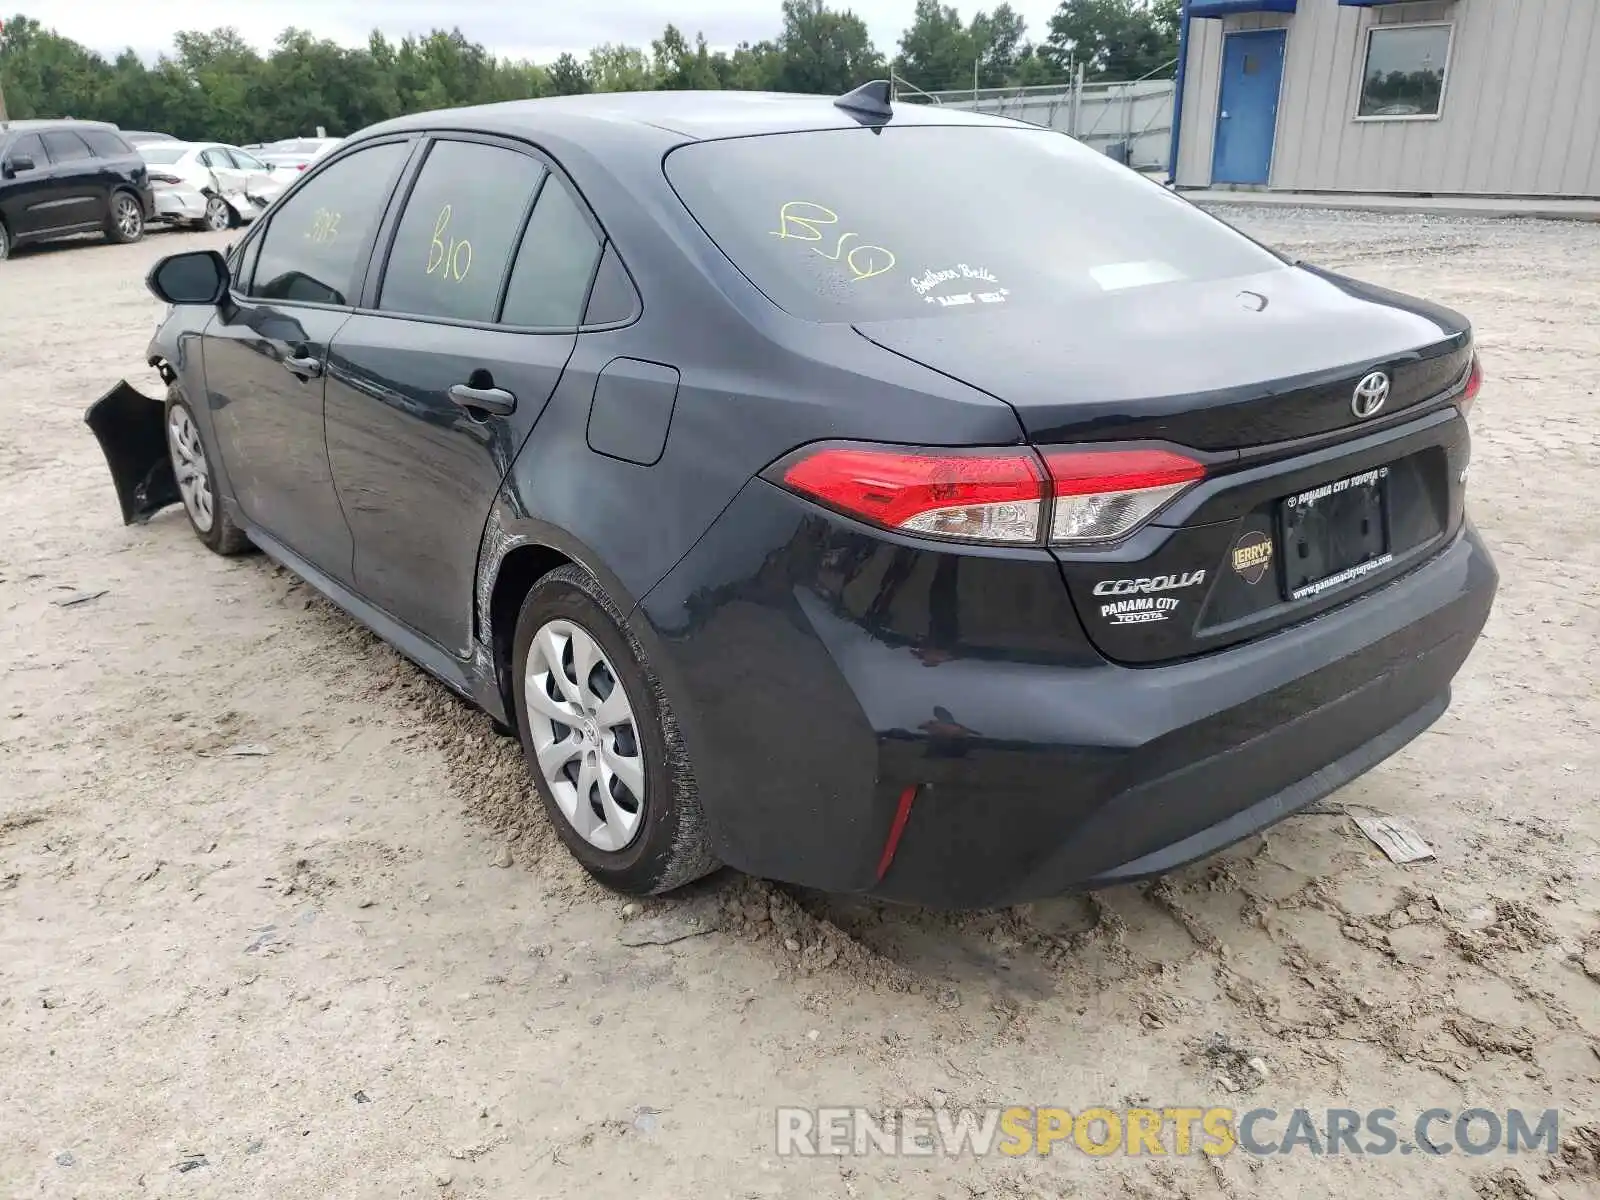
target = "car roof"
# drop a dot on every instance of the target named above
(38, 124)
(696, 115)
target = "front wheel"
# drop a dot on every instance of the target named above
(219, 215)
(125, 220)
(191, 467)
(601, 742)
(5, 242)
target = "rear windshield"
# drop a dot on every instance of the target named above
(162, 156)
(852, 224)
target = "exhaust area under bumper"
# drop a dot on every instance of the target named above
(131, 429)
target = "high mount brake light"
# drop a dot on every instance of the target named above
(995, 496)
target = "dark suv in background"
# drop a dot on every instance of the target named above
(59, 178)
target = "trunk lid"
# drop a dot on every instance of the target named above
(1306, 503)
(1215, 365)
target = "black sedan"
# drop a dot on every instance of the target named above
(882, 498)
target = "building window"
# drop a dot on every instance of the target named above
(1404, 78)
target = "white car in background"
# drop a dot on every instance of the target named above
(293, 155)
(208, 184)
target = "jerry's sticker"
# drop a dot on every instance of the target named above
(1252, 555)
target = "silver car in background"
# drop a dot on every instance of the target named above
(209, 185)
(290, 157)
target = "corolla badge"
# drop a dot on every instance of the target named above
(1372, 393)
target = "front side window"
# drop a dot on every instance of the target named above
(461, 221)
(29, 146)
(945, 221)
(315, 249)
(1405, 71)
(555, 264)
(65, 147)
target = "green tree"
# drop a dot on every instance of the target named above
(677, 67)
(618, 68)
(568, 78)
(823, 51)
(1114, 39)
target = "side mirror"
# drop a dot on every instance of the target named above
(19, 162)
(194, 277)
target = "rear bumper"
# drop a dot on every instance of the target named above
(179, 204)
(1037, 772)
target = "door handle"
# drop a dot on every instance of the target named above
(304, 366)
(493, 401)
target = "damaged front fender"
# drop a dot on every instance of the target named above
(131, 429)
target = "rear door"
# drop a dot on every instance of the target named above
(432, 395)
(79, 187)
(28, 190)
(266, 353)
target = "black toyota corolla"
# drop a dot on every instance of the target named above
(876, 497)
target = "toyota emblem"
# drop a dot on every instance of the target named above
(1371, 395)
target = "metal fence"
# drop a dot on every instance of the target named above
(1131, 122)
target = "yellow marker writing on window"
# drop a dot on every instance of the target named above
(801, 220)
(451, 259)
(324, 226)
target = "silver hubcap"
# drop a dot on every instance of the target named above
(217, 214)
(584, 735)
(127, 216)
(190, 468)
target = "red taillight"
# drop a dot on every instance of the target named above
(302, 166)
(993, 495)
(1102, 495)
(975, 495)
(156, 177)
(1469, 394)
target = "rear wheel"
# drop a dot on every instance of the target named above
(5, 242)
(125, 218)
(601, 742)
(191, 467)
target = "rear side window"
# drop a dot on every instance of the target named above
(106, 144)
(555, 263)
(455, 239)
(315, 248)
(917, 221)
(215, 157)
(65, 146)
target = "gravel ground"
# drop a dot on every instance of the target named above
(357, 965)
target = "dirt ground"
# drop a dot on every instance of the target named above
(311, 972)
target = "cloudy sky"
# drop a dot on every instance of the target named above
(504, 26)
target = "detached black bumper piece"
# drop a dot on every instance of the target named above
(131, 430)
(917, 748)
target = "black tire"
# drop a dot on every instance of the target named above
(124, 218)
(223, 537)
(671, 847)
(5, 242)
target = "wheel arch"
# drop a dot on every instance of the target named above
(516, 552)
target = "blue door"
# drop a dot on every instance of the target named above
(1247, 118)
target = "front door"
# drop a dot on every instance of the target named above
(1247, 118)
(431, 397)
(266, 353)
(29, 199)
